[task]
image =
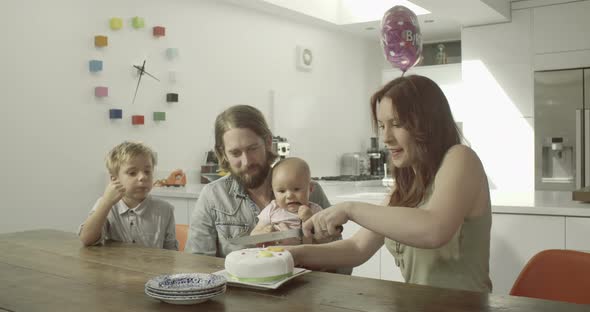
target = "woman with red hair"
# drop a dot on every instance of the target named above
(436, 221)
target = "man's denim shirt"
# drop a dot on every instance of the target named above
(225, 211)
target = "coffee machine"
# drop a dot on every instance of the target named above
(281, 147)
(376, 158)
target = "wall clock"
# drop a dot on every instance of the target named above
(131, 65)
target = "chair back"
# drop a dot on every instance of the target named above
(562, 275)
(181, 235)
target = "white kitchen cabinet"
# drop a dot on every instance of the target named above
(447, 76)
(191, 206)
(497, 67)
(577, 233)
(372, 267)
(515, 239)
(182, 198)
(560, 28)
(381, 265)
(182, 207)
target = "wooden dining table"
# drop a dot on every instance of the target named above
(50, 270)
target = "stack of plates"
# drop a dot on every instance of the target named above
(185, 288)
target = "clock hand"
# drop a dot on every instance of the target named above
(145, 72)
(141, 71)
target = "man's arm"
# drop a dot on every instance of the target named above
(202, 235)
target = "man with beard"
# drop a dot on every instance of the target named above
(229, 207)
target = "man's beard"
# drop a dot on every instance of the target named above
(250, 181)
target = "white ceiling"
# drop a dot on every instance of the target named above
(442, 24)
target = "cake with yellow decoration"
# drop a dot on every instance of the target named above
(259, 265)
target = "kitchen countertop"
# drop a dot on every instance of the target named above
(551, 203)
(189, 191)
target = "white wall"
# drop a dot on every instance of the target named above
(497, 74)
(55, 134)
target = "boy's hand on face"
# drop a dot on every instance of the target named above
(113, 192)
(304, 213)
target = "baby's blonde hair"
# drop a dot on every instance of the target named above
(126, 151)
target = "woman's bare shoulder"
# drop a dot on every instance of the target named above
(462, 154)
(462, 162)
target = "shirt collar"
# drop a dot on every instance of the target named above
(235, 188)
(123, 208)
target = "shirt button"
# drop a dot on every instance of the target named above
(131, 222)
(133, 241)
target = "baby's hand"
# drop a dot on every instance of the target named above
(304, 212)
(113, 192)
(263, 230)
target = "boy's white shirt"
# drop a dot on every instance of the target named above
(150, 224)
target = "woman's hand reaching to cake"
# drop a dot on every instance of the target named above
(325, 224)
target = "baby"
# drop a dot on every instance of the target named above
(291, 185)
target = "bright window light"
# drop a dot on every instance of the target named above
(343, 12)
(360, 11)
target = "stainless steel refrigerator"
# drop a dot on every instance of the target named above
(562, 129)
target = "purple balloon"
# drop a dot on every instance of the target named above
(401, 38)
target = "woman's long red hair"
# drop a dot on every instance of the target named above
(423, 110)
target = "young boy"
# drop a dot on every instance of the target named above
(291, 185)
(126, 212)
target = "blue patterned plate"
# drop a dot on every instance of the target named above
(186, 282)
(184, 293)
(185, 299)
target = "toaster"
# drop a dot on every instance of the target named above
(354, 164)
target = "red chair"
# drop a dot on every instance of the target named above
(561, 275)
(181, 235)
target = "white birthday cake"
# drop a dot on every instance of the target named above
(259, 265)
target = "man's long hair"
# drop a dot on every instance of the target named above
(245, 117)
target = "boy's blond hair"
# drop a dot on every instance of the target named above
(124, 152)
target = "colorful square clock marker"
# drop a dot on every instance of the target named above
(173, 76)
(101, 41)
(159, 116)
(95, 66)
(172, 97)
(137, 119)
(137, 22)
(101, 91)
(115, 113)
(159, 31)
(116, 23)
(172, 53)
